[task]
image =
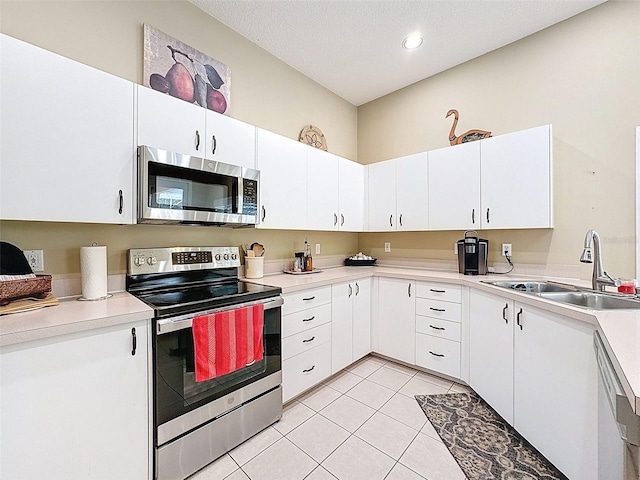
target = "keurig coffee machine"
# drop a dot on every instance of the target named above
(472, 254)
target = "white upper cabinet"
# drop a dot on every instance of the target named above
(382, 196)
(67, 134)
(229, 140)
(516, 179)
(412, 192)
(283, 181)
(322, 190)
(169, 123)
(351, 195)
(454, 187)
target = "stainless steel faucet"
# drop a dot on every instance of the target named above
(599, 279)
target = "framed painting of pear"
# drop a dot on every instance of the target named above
(175, 68)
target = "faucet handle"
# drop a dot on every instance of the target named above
(616, 281)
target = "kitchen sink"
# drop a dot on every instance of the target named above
(594, 300)
(572, 295)
(534, 287)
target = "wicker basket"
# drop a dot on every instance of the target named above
(28, 287)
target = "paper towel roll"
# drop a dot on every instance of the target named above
(93, 265)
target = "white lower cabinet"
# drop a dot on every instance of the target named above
(396, 319)
(77, 406)
(350, 322)
(438, 327)
(306, 340)
(537, 369)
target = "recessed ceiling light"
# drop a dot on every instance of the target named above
(412, 41)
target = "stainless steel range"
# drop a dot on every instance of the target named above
(195, 422)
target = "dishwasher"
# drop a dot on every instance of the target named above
(618, 425)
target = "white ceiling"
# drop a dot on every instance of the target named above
(354, 47)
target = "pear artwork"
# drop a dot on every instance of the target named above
(191, 81)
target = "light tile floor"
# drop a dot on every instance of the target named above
(361, 424)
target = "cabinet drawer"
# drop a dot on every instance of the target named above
(303, 341)
(437, 309)
(303, 371)
(439, 291)
(305, 319)
(294, 302)
(438, 328)
(438, 354)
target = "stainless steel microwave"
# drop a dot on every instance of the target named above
(180, 189)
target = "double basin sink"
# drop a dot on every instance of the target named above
(572, 295)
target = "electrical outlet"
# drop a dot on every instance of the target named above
(387, 247)
(317, 249)
(506, 249)
(35, 258)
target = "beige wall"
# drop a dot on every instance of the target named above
(582, 76)
(265, 92)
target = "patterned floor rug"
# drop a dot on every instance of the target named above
(483, 444)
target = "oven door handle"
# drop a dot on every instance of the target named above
(182, 322)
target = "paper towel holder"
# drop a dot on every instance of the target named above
(104, 297)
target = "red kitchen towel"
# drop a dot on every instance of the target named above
(227, 341)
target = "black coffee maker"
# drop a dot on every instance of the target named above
(472, 254)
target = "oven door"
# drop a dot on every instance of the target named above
(180, 403)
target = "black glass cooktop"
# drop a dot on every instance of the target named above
(182, 294)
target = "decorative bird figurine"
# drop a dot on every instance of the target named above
(469, 136)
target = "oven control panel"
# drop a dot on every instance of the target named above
(176, 259)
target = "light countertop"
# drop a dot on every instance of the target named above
(71, 316)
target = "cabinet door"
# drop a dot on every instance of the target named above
(67, 139)
(169, 123)
(322, 190)
(491, 351)
(412, 202)
(229, 141)
(283, 181)
(516, 180)
(556, 389)
(362, 318)
(76, 407)
(351, 195)
(382, 196)
(342, 296)
(454, 187)
(397, 319)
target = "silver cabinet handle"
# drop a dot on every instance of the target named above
(197, 140)
(308, 369)
(215, 144)
(437, 309)
(335, 219)
(487, 215)
(341, 219)
(309, 340)
(391, 220)
(504, 313)
(436, 354)
(518, 319)
(473, 216)
(437, 328)
(308, 319)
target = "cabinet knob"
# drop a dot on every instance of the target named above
(121, 202)
(409, 290)
(308, 369)
(473, 216)
(264, 213)
(518, 319)
(391, 220)
(436, 328)
(197, 140)
(504, 313)
(215, 144)
(487, 215)
(309, 339)
(134, 341)
(335, 219)
(400, 220)
(341, 219)
(350, 290)
(436, 354)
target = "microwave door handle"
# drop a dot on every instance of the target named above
(182, 322)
